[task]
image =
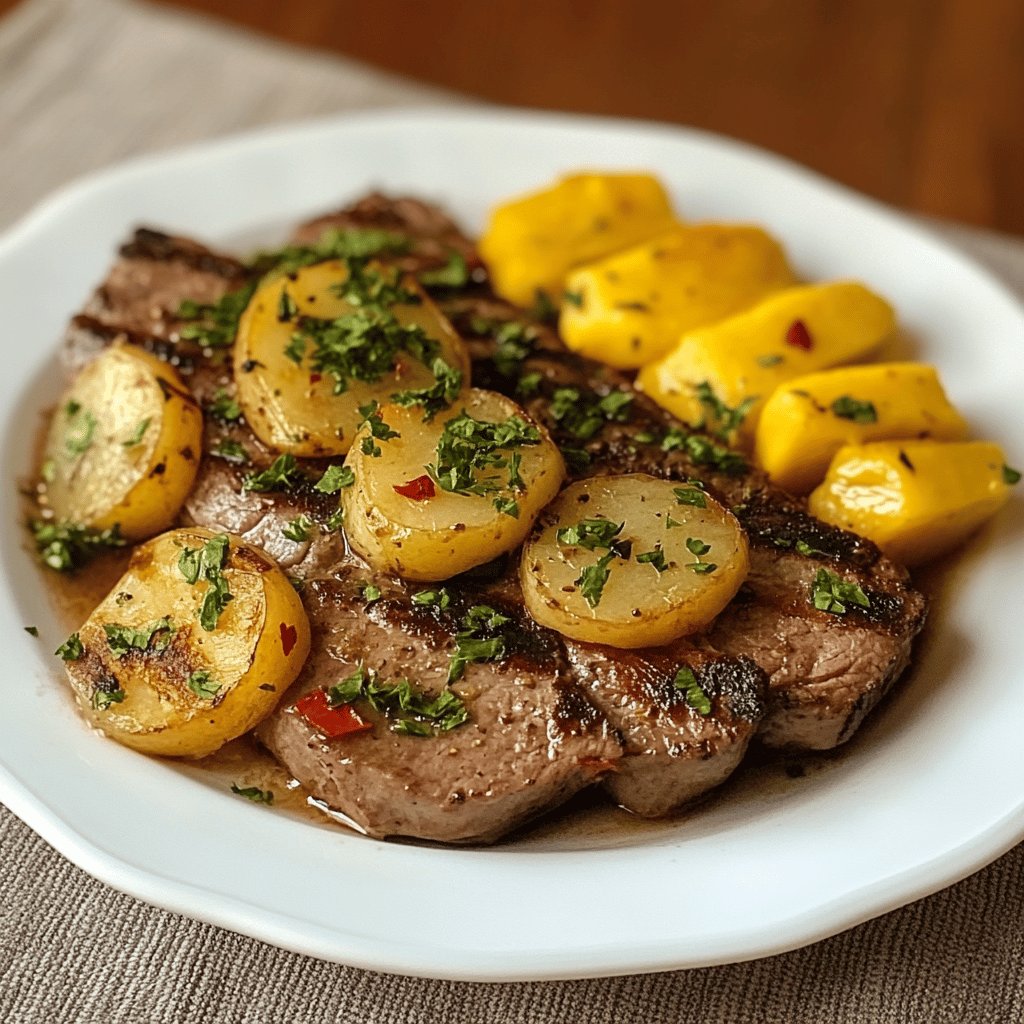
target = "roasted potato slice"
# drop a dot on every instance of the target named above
(432, 499)
(123, 445)
(306, 358)
(632, 561)
(170, 664)
(532, 242)
(915, 499)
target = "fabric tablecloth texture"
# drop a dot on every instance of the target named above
(86, 82)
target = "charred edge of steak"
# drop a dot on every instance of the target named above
(739, 682)
(149, 244)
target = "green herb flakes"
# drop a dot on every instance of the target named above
(335, 479)
(298, 529)
(138, 434)
(830, 593)
(64, 546)
(254, 793)
(693, 693)
(281, 475)
(854, 409)
(215, 325)
(122, 640)
(71, 649)
(202, 685)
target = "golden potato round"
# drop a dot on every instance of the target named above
(171, 667)
(288, 397)
(632, 561)
(399, 515)
(123, 445)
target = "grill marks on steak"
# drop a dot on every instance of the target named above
(673, 753)
(533, 739)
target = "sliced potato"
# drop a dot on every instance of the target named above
(915, 499)
(632, 307)
(400, 518)
(806, 421)
(123, 445)
(532, 242)
(288, 401)
(676, 562)
(721, 375)
(152, 675)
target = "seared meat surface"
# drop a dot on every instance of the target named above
(554, 715)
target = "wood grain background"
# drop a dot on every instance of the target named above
(917, 102)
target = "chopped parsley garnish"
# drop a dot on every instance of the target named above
(106, 692)
(507, 507)
(333, 244)
(438, 396)
(590, 533)
(254, 793)
(584, 415)
(79, 437)
(298, 529)
(48, 471)
(655, 558)
(529, 384)
(479, 639)
(224, 407)
(702, 451)
(831, 593)
(63, 546)
(335, 478)
(409, 710)
(693, 693)
(287, 310)
(805, 549)
(72, 648)
(720, 419)
(593, 534)
(123, 639)
(215, 325)
(513, 343)
(206, 563)
(231, 451)
(543, 308)
(573, 298)
(1010, 476)
(372, 417)
(593, 578)
(281, 475)
(468, 447)
(439, 598)
(202, 685)
(32, 630)
(454, 274)
(138, 434)
(371, 593)
(671, 524)
(698, 549)
(770, 360)
(690, 496)
(848, 408)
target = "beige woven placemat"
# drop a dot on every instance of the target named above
(86, 82)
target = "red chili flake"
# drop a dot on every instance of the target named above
(289, 638)
(332, 722)
(417, 490)
(315, 378)
(799, 337)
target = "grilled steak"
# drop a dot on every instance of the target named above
(555, 715)
(533, 739)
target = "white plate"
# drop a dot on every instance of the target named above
(931, 791)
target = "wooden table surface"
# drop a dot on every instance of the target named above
(918, 102)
